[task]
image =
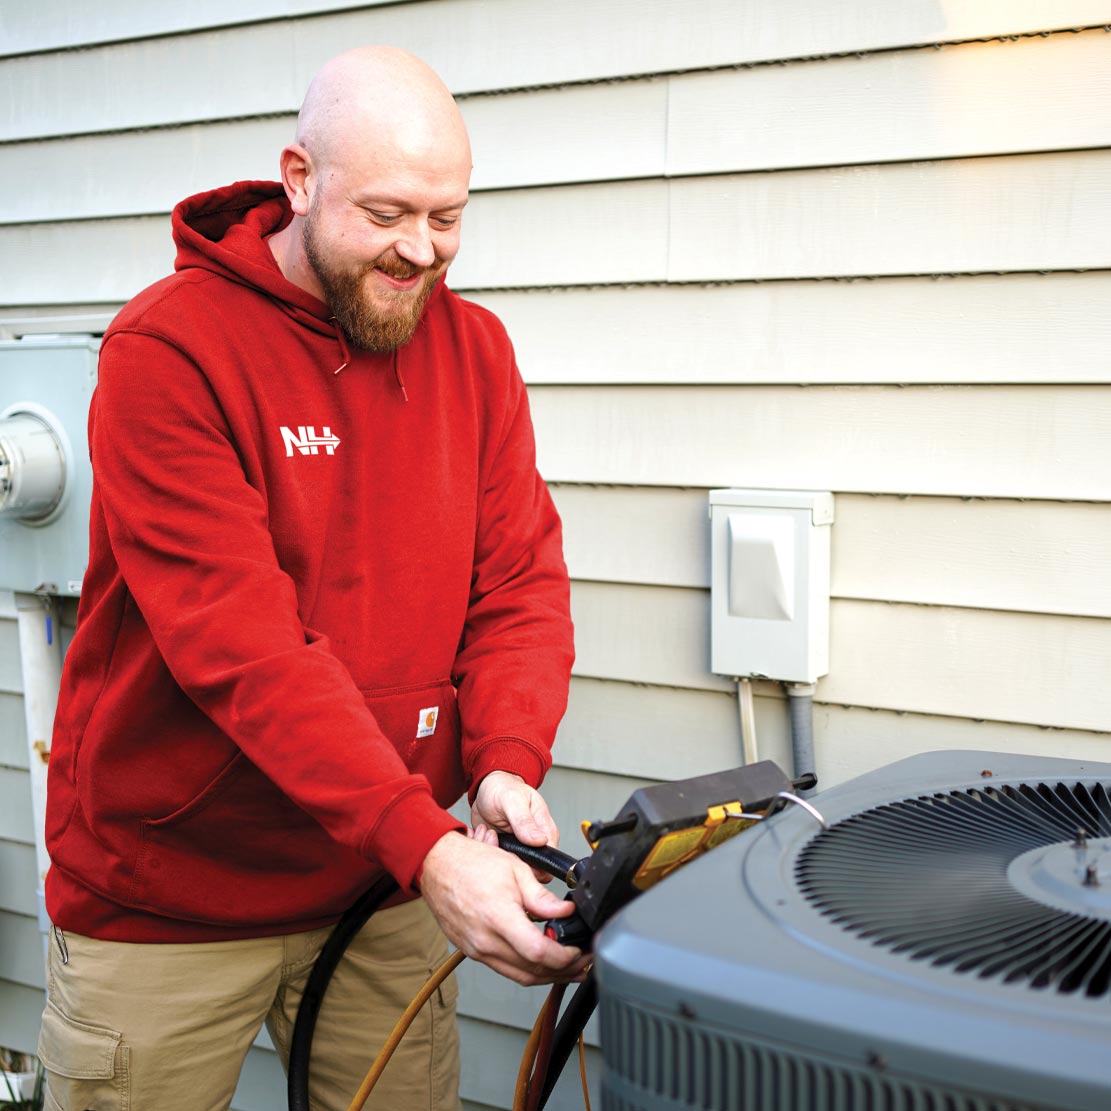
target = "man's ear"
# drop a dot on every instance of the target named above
(297, 177)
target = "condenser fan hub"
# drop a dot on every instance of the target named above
(1072, 876)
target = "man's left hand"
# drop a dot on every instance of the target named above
(505, 801)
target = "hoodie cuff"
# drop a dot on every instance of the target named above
(507, 754)
(405, 833)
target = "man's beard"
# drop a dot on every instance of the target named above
(365, 324)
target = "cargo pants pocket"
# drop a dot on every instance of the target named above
(86, 1066)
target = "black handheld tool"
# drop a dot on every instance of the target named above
(658, 830)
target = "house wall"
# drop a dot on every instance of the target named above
(862, 247)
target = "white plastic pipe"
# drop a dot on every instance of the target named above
(40, 653)
(746, 710)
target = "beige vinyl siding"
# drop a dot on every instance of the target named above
(477, 45)
(862, 247)
(902, 105)
(972, 441)
(21, 951)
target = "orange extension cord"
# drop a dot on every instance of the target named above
(536, 1052)
(403, 1024)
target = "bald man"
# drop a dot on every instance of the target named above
(325, 599)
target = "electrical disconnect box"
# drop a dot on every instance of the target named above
(46, 385)
(770, 568)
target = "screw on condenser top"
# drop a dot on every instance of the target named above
(1081, 841)
(1091, 876)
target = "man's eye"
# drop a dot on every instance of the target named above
(384, 217)
(445, 222)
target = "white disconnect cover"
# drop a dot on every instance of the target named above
(770, 554)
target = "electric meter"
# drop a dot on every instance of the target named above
(32, 464)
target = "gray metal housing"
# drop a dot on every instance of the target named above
(726, 987)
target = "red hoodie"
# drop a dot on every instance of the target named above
(320, 603)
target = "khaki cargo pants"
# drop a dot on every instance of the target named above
(132, 1027)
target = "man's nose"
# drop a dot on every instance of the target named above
(415, 245)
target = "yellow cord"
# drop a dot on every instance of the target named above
(403, 1024)
(582, 1072)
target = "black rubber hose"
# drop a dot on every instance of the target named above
(571, 1024)
(300, 1046)
(558, 864)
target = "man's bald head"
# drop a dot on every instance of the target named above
(377, 181)
(381, 98)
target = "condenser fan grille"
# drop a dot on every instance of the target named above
(1006, 883)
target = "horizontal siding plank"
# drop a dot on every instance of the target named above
(475, 46)
(1036, 212)
(65, 24)
(1047, 557)
(667, 733)
(644, 634)
(974, 99)
(18, 878)
(1030, 556)
(169, 163)
(20, 1015)
(16, 820)
(21, 950)
(851, 741)
(131, 255)
(965, 441)
(631, 534)
(662, 732)
(1002, 666)
(1035, 670)
(997, 328)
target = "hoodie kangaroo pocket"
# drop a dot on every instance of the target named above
(243, 852)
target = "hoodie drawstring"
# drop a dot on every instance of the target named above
(345, 355)
(397, 374)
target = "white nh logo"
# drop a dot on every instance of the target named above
(307, 442)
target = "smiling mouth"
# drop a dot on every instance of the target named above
(399, 281)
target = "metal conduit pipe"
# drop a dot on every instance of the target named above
(800, 702)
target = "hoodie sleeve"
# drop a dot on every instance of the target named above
(189, 534)
(514, 666)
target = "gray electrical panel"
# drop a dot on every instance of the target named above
(46, 385)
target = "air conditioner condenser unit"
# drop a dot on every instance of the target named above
(944, 945)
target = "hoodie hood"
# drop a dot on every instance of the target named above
(225, 232)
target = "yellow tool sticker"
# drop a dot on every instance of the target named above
(675, 849)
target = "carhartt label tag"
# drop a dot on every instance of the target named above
(426, 724)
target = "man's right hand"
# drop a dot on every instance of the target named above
(483, 898)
